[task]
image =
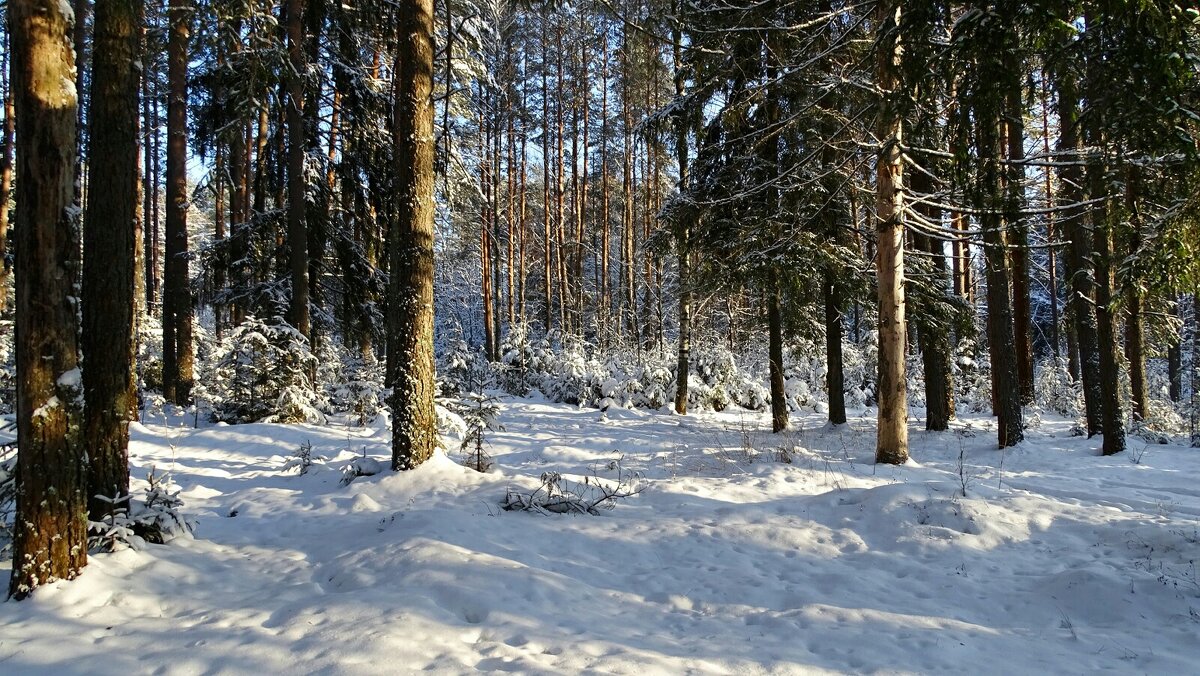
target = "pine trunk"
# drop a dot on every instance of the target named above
(1018, 239)
(1081, 283)
(177, 295)
(410, 244)
(835, 379)
(49, 536)
(109, 243)
(1135, 333)
(298, 310)
(779, 405)
(892, 442)
(1175, 357)
(1006, 397)
(6, 169)
(1113, 424)
(683, 234)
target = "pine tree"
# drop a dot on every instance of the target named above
(410, 243)
(50, 531)
(109, 244)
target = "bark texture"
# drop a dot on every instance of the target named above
(109, 243)
(892, 441)
(410, 244)
(50, 527)
(177, 295)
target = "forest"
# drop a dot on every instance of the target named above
(397, 295)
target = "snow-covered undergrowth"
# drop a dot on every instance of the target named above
(745, 553)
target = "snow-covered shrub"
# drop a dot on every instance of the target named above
(558, 495)
(974, 379)
(157, 519)
(1056, 391)
(301, 460)
(8, 493)
(8, 368)
(149, 354)
(360, 466)
(359, 389)
(463, 370)
(262, 372)
(115, 532)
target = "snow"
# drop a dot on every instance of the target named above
(731, 561)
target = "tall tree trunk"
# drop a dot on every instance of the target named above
(1113, 417)
(239, 169)
(1006, 398)
(1052, 252)
(177, 295)
(683, 238)
(891, 445)
(547, 221)
(109, 243)
(50, 525)
(605, 288)
(410, 244)
(1113, 425)
(835, 378)
(1175, 357)
(298, 310)
(6, 168)
(933, 331)
(779, 404)
(1081, 287)
(1135, 339)
(1018, 234)
(219, 272)
(150, 195)
(486, 213)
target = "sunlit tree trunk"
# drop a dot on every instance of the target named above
(49, 536)
(892, 441)
(410, 243)
(177, 295)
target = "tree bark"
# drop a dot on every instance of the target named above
(177, 295)
(779, 404)
(1081, 283)
(410, 244)
(683, 239)
(6, 169)
(50, 525)
(1135, 338)
(297, 224)
(1018, 235)
(835, 379)
(1175, 357)
(109, 243)
(1006, 396)
(1113, 424)
(891, 445)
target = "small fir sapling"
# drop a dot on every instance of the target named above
(262, 371)
(157, 519)
(116, 531)
(479, 412)
(469, 375)
(301, 460)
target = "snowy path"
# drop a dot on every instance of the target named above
(1058, 561)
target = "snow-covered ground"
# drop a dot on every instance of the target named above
(1056, 561)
